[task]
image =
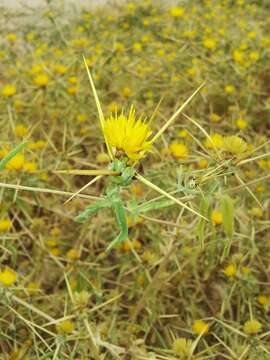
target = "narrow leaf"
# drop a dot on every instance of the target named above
(11, 155)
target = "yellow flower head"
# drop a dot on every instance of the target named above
(182, 347)
(234, 145)
(7, 277)
(217, 217)
(200, 327)
(262, 299)
(214, 141)
(252, 327)
(230, 270)
(20, 130)
(177, 12)
(41, 80)
(5, 225)
(179, 150)
(8, 90)
(16, 163)
(65, 327)
(127, 135)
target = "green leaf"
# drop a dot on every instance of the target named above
(119, 211)
(11, 155)
(227, 209)
(92, 210)
(204, 210)
(155, 205)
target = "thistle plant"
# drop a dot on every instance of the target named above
(128, 139)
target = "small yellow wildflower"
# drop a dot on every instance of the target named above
(65, 327)
(229, 89)
(203, 164)
(30, 167)
(41, 80)
(11, 37)
(200, 327)
(241, 124)
(29, 36)
(262, 299)
(183, 133)
(217, 217)
(127, 135)
(60, 69)
(51, 242)
(192, 71)
(8, 277)
(33, 288)
(230, 270)
(256, 212)
(8, 90)
(215, 118)
(73, 79)
(80, 43)
(137, 47)
(252, 327)
(55, 231)
(72, 90)
(238, 56)
(16, 163)
(127, 92)
(20, 130)
(177, 12)
(55, 251)
(254, 56)
(182, 347)
(234, 145)
(215, 141)
(73, 254)
(252, 35)
(5, 225)
(209, 43)
(81, 118)
(149, 257)
(179, 150)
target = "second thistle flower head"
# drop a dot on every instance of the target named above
(127, 135)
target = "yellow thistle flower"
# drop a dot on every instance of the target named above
(8, 277)
(177, 12)
(182, 347)
(20, 130)
(73, 254)
(5, 224)
(8, 90)
(252, 327)
(217, 217)
(234, 145)
(230, 270)
(241, 124)
(214, 141)
(16, 163)
(209, 43)
(41, 80)
(179, 150)
(65, 327)
(127, 135)
(200, 327)
(262, 299)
